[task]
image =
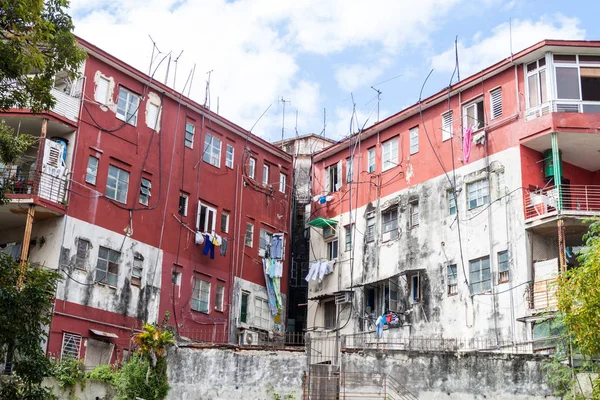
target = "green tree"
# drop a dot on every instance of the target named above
(23, 315)
(36, 42)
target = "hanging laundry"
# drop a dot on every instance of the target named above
(323, 269)
(270, 291)
(467, 143)
(314, 269)
(216, 240)
(199, 238)
(277, 287)
(224, 245)
(209, 247)
(379, 326)
(279, 269)
(277, 246)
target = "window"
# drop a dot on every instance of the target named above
(219, 297)
(282, 182)
(370, 228)
(333, 177)
(473, 115)
(479, 270)
(451, 202)
(328, 232)
(415, 288)
(83, 251)
(176, 278)
(349, 170)
(537, 90)
(251, 167)
(101, 93)
(244, 307)
(478, 193)
(381, 297)
(127, 106)
(329, 314)
(201, 295)
(262, 314)
(207, 218)
(229, 156)
(371, 159)
(152, 111)
(107, 267)
(414, 140)
(224, 222)
(578, 78)
(503, 267)
(414, 213)
(249, 234)
(92, 170)
(136, 271)
(145, 187)
(389, 156)
(183, 204)
(452, 282)
(212, 150)
(332, 249)
(71, 346)
(389, 224)
(265, 240)
(496, 103)
(348, 230)
(265, 177)
(447, 125)
(189, 135)
(117, 184)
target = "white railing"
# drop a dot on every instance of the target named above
(583, 199)
(569, 106)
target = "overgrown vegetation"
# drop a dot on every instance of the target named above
(69, 373)
(278, 396)
(24, 312)
(12, 146)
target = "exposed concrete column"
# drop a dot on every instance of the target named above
(25, 245)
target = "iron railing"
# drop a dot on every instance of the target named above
(576, 199)
(18, 183)
(218, 334)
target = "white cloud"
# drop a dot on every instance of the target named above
(485, 51)
(351, 77)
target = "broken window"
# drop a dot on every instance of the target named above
(251, 167)
(452, 281)
(473, 115)
(189, 135)
(176, 278)
(136, 271)
(92, 170)
(249, 234)
(262, 314)
(414, 139)
(265, 241)
(381, 297)
(478, 193)
(282, 182)
(127, 106)
(447, 125)
(244, 307)
(371, 154)
(370, 228)
(496, 103)
(503, 267)
(414, 213)
(152, 111)
(389, 154)
(229, 156)
(389, 224)
(107, 267)
(537, 90)
(332, 249)
(98, 352)
(207, 218)
(145, 187)
(479, 273)
(83, 252)
(224, 222)
(219, 297)
(333, 177)
(71, 346)
(183, 204)
(329, 314)
(212, 150)
(117, 184)
(201, 295)
(265, 177)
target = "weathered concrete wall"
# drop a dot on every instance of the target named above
(211, 374)
(457, 376)
(92, 390)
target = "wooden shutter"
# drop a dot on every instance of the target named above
(496, 102)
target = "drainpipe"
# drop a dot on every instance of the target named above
(560, 223)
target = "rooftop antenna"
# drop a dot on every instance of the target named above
(259, 118)
(217, 104)
(456, 54)
(175, 76)
(510, 37)
(167, 73)
(191, 80)
(378, 100)
(154, 47)
(283, 119)
(296, 128)
(207, 91)
(324, 120)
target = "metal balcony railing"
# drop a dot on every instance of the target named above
(583, 199)
(562, 106)
(17, 184)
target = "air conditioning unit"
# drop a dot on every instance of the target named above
(343, 297)
(249, 338)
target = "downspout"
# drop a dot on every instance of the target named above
(557, 170)
(235, 237)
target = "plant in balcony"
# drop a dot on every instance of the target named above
(12, 146)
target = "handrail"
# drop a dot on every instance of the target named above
(584, 199)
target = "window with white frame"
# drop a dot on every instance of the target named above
(479, 274)
(371, 159)
(496, 103)
(370, 228)
(212, 150)
(451, 202)
(219, 298)
(389, 154)
(265, 240)
(473, 115)
(348, 238)
(262, 314)
(251, 167)
(145, 187)
(381, 297)
(91, 171)
(282, 182)
(101, 92)
(207, 218)
(333, 177)
(537, 89)
(249, 237)
(189, 135)
(349, 170)
(71, 346)
(127, 106)
(107, 266)
(201, 296)
(183, 204)
(452, 282)
(117, 184)
(478, 193)
(152, 112)
(577, 78)
(414, 140)
(224, 222)
(332, 249)
(137, 270)
(83, 252)
(265, 177)
(447, 125)
(503, 267)
(229, 156)
(414, 213)
(389, 224)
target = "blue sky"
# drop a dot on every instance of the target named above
(316, 53)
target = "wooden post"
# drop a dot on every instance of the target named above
(562, 257)
(25, 245)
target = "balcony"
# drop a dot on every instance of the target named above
(23, 185)
(577, 201)
(542, 295)
(67, 105)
